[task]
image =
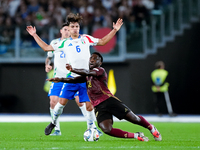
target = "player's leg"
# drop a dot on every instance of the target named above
(90, 115)
(105, 122)
(139, 120)
(82, 106)
(121, 111)
(53, 94)
(77, 101)
(106, 127)
(84, 111)
(58, 109)
(83, 98)
(67, 93)
(89, 108)
(53, 102)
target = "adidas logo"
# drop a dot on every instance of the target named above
(70, 44)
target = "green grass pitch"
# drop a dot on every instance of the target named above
(30, 136)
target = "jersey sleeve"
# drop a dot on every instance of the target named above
(99, 71)
(55, 46)
(50, 54)
(58, 46)
(92, 41)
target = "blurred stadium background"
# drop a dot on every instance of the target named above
(169, 31)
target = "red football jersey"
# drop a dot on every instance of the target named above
(97, 88)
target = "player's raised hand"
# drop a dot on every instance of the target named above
(31, 30)
(118, 24)
(69, 67)
(48, 68)
(54, 79)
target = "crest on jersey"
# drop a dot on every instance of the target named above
(83, 41)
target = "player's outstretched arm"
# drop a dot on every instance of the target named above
(56, 79)
(32, 31)
(109, 36)
(79, 79)
(82, 72)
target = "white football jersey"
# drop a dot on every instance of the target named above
(60, 61)
(77, 51)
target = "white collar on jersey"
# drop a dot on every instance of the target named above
(78, 37)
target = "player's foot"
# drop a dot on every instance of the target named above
(141, 137)
(49, 128)
(56, 133)
(156, 134)
(100, 133)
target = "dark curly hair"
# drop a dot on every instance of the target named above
(97, 53)
(74, 18)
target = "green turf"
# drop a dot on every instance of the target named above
(25, 136)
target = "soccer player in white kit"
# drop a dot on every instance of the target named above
(55, 90)
(59, 71)
(77, 49)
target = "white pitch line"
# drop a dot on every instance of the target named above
(70, 118)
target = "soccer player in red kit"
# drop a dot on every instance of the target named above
(105, 103)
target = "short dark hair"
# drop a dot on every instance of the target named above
(97, 53)
(65, 24)
(74, 18)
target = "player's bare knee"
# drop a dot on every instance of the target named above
(89, 106)
(53, 101)
(105, 126)
(79, 104)
(63, 101)
(106, 130)
(52, 104)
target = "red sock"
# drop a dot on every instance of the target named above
(121, 134)
(145, 123)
